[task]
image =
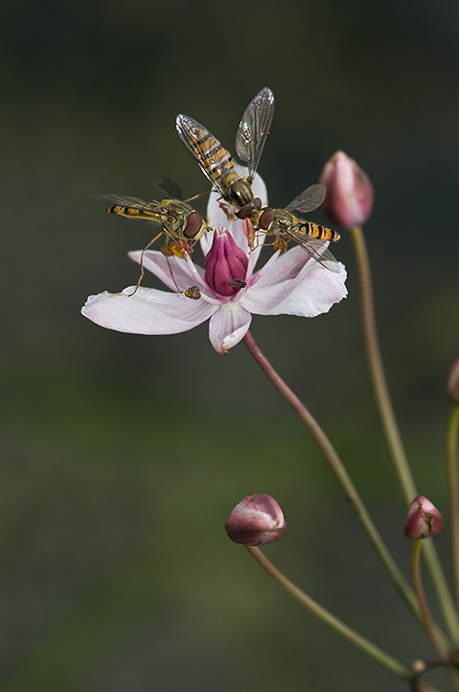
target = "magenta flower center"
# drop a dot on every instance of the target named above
(225, 265)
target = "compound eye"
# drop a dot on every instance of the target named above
(193, 225)
(244, 212)
(266, 218)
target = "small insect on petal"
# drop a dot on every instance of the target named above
(193, 292)
(423, 519)
(256, 519)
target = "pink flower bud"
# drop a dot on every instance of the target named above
(256, 519)
(350, 195)
(452, 381)
(225, 264)
(423, 519)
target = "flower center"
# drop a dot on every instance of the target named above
(225, 265)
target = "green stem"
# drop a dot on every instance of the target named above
(418, 587)
(325, 616)
(426, 614)
(390, 424)
(453, 491)
(341, 475)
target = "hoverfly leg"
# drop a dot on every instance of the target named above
(201, 194)
(142, 270)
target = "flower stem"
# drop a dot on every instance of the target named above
(348, 633)
(426, 614)
(340, 473)
(390, 424)
(453, 490)
(418, 587)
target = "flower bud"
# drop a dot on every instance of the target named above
(452, 381)
(423, 519)
(225, 263)
(350, 194)
(256, 519)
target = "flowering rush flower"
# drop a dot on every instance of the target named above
(228, 290)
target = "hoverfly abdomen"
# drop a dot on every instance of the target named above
(317, 231)
(131, 212)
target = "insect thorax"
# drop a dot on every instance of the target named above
(239, 190)
(178, 213)
(282, 219)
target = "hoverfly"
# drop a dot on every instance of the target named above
(216, 162)
(178, 220)
(287, 226)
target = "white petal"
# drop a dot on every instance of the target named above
(147, 311)
(276, 280)
(315, 294)
(288, 265)
(228, 325)
(157, 264)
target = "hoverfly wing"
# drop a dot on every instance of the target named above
(309, 199)
(214, 161)
(254, 129)
(317, 249)
(168, 187)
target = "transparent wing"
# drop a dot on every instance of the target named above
(317, 249)
(213, 159)
(168, 187)
(309, 199)
(127, 201)
(254, 129)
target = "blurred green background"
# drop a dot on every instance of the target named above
(122, 455)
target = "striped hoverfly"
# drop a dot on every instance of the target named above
(217, 163)
(181, 224)
(285, 225)
(178, 220)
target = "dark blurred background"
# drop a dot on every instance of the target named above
(122, 455)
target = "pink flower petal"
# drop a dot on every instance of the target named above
(157, 264)
(228, 325)
(315, 294)
(147, 311)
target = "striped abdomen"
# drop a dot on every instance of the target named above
(317, 231)
(132, 212)
(214, 158)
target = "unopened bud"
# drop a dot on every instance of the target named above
(423, 519)
(350, 194)
(256, 519)
(452, 381)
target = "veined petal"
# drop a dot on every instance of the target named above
(147, 311)
(158, 265)
(287, 266)
(276, 280)
(314, 294)
(228, 325)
